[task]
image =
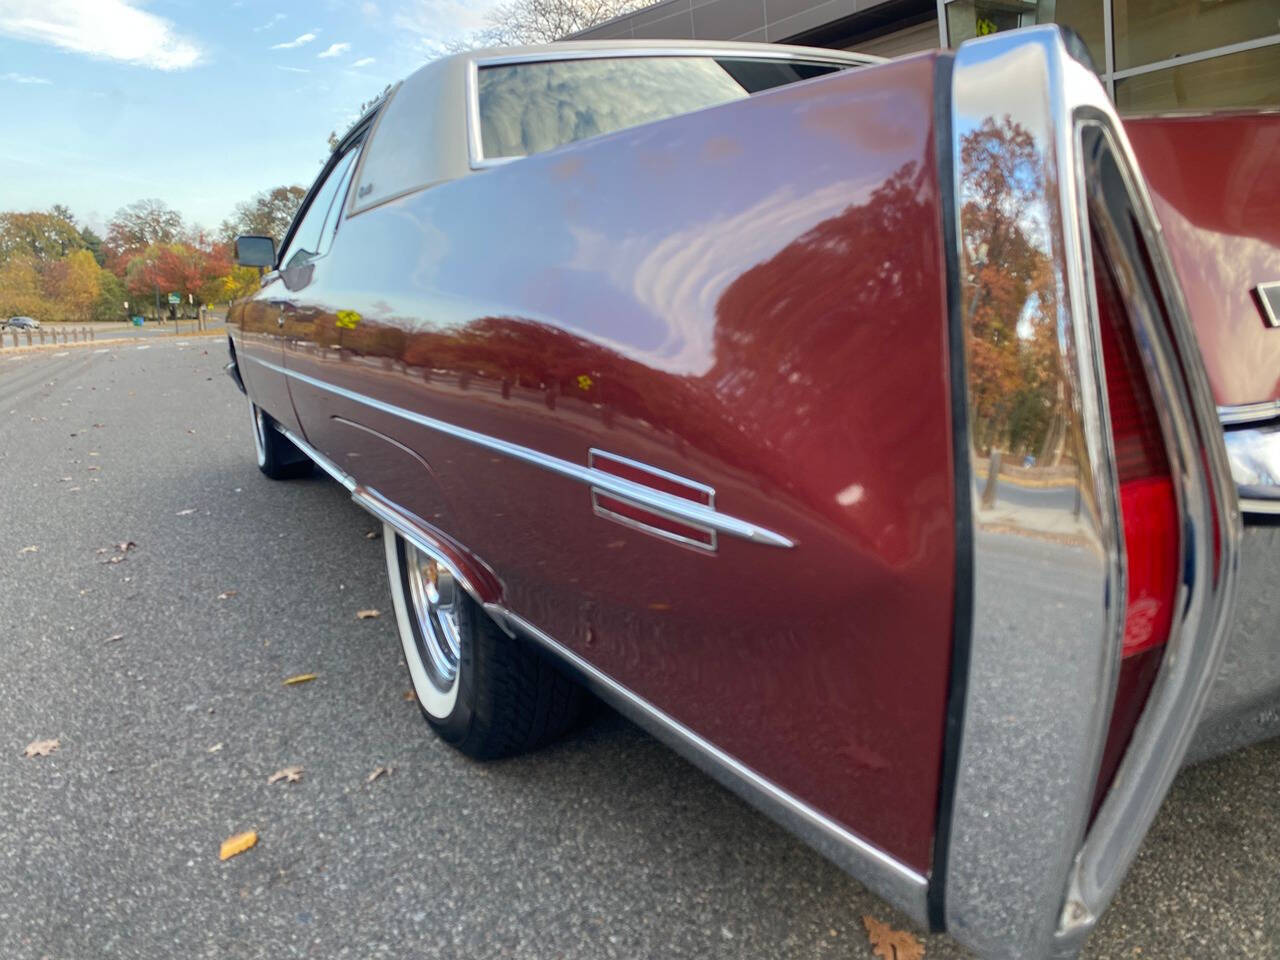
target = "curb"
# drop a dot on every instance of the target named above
(11, 351)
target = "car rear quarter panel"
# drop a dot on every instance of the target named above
(751, 297)
(1214, 183)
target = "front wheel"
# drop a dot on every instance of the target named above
(484, 692)
(278, 458)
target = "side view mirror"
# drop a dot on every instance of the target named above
(256, 252)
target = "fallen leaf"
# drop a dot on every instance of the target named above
(186, 513)
(31, 549)
(378, 772)
(114, 637)
(126, 545)
(890, 944)
(237, 844)
(290, 774)
(227, 594)
(373, 535)
(64, 479)
(41, 748)
(118, 558)
(300, 678)
(367, 614)
(410, 696)
(217, 746)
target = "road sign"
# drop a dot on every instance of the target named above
(175, 298)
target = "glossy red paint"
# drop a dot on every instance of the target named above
(750, 297)
(1213, 180)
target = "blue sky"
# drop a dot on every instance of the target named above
(201, 103)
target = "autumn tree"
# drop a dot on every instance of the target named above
(43, 237)
(20, 292)
(267, 215)
(143, 223)
(73, 285)
(111, 298)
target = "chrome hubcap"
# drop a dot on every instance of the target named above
(434, 597)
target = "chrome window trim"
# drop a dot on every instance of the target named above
(475, 147)
(893, 880)
(672, 507)
(1023, 877)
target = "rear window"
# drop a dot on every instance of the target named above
(526, 108)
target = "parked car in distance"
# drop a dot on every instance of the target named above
(22, 323)
(875, 433)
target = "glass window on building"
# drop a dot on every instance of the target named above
(1165, 55)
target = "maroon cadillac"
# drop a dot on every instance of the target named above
(897, 440)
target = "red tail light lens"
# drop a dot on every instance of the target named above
(1148, 510)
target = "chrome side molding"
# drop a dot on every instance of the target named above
(1040, 161)
(675, 508)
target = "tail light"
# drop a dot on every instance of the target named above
(1149, 516)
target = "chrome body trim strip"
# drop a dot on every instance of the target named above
(1026, 874)
(889, 878)
(320, 460)
(475, 146)
(1249, 412)
(674, 508)
(894, 881)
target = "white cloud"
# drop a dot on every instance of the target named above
(335, 49)
(363, 62)
(107, 29)
(276, 18)
(292, 69)
(23, 78)
(295, 42)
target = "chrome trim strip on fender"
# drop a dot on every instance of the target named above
(1026, 875)
(320, 460)
(674, 508)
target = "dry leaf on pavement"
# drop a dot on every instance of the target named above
(300, 678)
(227, 594)
(31, 549)
(215, 748)
(378, 772)
(367, 614)
(237, 844)
(185, 513)
(114, 637)
(41, 748)
(289, 774)
(373, 535)
(410, 696)
(890, 944)
(126, 545)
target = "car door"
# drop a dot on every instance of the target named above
(269, 317)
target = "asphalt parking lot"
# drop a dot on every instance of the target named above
(604, 845)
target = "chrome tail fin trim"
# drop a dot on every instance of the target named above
(1026, 875)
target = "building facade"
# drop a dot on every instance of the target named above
(1153, 55)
